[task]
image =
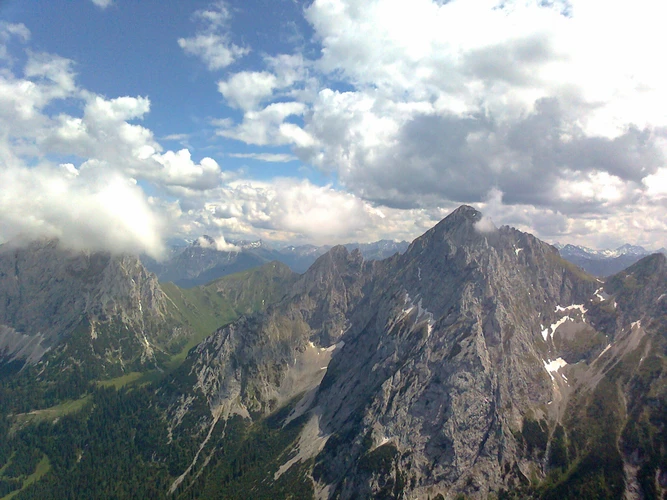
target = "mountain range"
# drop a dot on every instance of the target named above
(604, 262)
(202, 261)
(477, 363)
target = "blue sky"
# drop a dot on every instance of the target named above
(131, 48)
(124, 124)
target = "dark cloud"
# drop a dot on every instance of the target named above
(461, 159)
(512, 62)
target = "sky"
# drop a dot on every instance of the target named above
(127, 125)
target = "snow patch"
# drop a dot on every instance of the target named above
(571, 308)
(517, 250)
(423, 314)
(662, 297)
(552, 328)
(335, 346)
(636, 324)
(553, 366)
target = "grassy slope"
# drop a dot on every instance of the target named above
(42, 468)
(206, 308)
(52, 413)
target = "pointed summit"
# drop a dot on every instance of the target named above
(458, 228)
(465, 215)
(465, 212)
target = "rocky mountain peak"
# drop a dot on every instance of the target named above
(462, 227)
(464, 217)
(465, 212)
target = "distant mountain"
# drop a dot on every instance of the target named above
(603, 262)
(202, 261)
(300, 258)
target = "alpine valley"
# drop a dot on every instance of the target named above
(475, 363)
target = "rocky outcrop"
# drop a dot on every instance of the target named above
(252, 365)
(94, 308)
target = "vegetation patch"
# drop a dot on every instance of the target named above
(247, 457)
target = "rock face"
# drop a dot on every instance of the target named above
(249, 365)
(437, 357)
(443, 364)
(93, 308)
(476, 363)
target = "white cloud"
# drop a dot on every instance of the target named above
(267, 157)
(179, 170)
(267, 126)
(558, 105)
(220, 244)
(102, 4)
(553, 123)
(214, 50)
(175, 137)
(212, 43)
(9, 31)
(97, 203)
(104, 137)
(296, 210)
(247, 89)
(85, 210)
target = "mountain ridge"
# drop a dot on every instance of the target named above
(604, 262)
(479, 362)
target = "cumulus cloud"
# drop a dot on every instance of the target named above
(212, 41)
(289, 209)
(268, 126)
(97, 203)
(558, 105)
(219, 243)
(245, 90)
(85, 210)
(107, 139)
(549, 116)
